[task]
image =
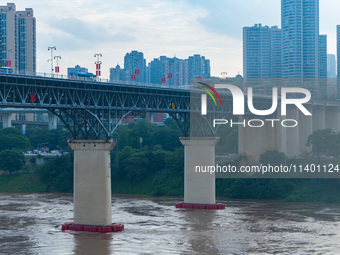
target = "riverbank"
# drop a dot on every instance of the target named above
(295, 190)
(23, 183)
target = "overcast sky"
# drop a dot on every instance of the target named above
(80, 28)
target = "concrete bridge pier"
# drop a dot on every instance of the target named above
(332, 119)
(199, 184)
(256, 140)
(92, 187)
(292, 132)
(6, 120)
(318, 117)
(305, 130)
(52, 121)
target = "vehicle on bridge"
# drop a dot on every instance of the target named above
(6, 70)
(82, 76)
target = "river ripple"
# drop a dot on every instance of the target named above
(31, 224)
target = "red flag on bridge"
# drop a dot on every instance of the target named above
(32, 98)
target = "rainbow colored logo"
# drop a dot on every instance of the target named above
(209, 93)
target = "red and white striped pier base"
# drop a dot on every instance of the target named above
(218, 206)
(114, 227)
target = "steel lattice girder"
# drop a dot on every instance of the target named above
(90, 109)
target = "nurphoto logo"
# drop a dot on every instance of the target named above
(239, 105)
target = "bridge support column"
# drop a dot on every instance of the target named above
(256, 139)
(151, 117)
(305, 130)
(92, 186)
(52, 121)
(199, 186)
(332, 118)
(23, 129)
(293, 133)
(6, 120)
(318, 118)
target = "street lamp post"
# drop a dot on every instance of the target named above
(51, 59)
(57, 66)
(98, 64)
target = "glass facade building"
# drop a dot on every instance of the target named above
(300, 38)
(261, 51)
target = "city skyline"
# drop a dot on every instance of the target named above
(81, 28)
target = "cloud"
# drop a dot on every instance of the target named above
(229, 17)
(213, 28)
(83, 33)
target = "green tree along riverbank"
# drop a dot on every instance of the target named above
(153, 165)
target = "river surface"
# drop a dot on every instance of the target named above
(31, 224)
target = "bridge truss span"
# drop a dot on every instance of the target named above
(92, 110)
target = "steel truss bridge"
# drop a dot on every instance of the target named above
(93, 110)
(90, 109)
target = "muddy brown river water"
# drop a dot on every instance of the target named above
(31, 224)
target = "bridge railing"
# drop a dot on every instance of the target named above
(88, 79)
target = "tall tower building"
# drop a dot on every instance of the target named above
(135, 65)
(18, 38)
(331, 66)
(300, 38)
(261, 52)
(169, 71)
(275, 51)
(118, 74)
(338, 50)
(322, 66)
(323, 56)
(198, 67)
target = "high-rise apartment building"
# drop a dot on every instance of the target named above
(169, 71)
(338, 50)
(322, 66)
(331, 66)
(135, 65)
(322, 56)
(198, 67)
(118, 74)
(261, 51)
(300, 38)
(18, 38)
(276, 48)
(162, 70)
